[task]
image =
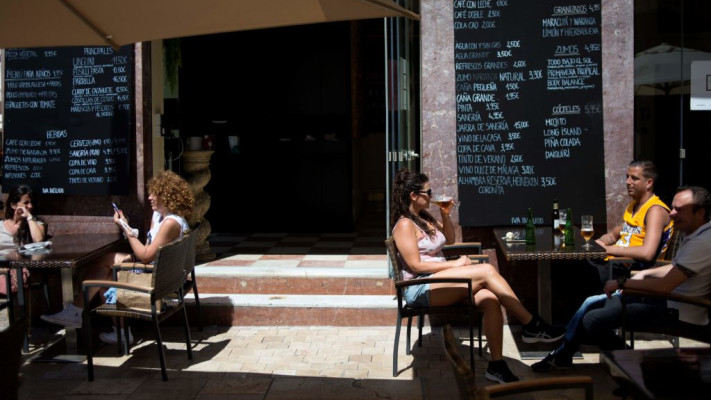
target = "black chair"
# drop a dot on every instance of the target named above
(468, 389)
(152, 300)
(406, 311)
(675, 328)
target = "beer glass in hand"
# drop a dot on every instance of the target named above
(586, 229)
(444, 202)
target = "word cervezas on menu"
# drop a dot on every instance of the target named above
(68, 119)
(528, 85)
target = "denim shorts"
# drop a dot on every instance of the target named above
(418, 295)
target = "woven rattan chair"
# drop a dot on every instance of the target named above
(191, 284)
(166, 278)
(468, 389)
(6, 302)
(467, 309)
(676, 328)
(672, 333)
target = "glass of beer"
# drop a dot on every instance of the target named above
(563, 217)
(586, 229)
(444, 202)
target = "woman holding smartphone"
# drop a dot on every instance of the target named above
(172, 202)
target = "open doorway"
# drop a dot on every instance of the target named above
(669, 36)
(307, 106)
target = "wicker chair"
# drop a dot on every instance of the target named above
(191, 284)
(7, 301)
(468, 389)
(158, 297)
(614, 263)
(473, 250)
(701, 333)
(672, 246)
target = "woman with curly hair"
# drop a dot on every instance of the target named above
(420, 238)
(172, 202)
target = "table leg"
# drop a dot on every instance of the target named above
(544, 290)
(70, 336)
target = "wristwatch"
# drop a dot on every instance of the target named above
(621, 281)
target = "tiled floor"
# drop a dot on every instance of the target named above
(367, 238)
(273, 363)
(226, 244)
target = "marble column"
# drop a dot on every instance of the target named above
(196, 170)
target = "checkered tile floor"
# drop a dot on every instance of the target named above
(366, 240)
(227, 245)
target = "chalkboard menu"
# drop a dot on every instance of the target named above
(68, 115)
(529, 109)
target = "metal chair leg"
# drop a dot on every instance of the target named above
(159, 343)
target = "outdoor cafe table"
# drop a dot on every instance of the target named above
(668, 373)
(543, 252)
(68, 253)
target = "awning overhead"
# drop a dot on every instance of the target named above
(45, 23)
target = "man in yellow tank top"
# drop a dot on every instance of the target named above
(646, 226)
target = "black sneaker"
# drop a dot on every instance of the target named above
(499, 372)
(540, 331)
(552, 362)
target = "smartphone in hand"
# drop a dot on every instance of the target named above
(116, 208)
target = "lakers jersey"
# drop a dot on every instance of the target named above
(634, 229)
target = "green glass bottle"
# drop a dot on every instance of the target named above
(569, 230)
(530, 229)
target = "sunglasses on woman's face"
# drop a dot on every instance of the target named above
(428, 192)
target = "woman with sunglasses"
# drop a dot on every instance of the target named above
(420, 237)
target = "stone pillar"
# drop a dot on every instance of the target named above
(196, 170)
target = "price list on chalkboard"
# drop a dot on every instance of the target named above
(68, 115)
(529, 109)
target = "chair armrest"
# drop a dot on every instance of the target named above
(540, 384)
(118, 285)
(693, 300)
(421, 281)
(629, 260)
(464, 248)
(479, 258)
(128, 266)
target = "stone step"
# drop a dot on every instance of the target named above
(281, 292)
(308, 281)
(293, 310)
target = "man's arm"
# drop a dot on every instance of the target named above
(656, 219)
(610, 237)
(660, 280)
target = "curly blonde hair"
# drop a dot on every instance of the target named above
(174, 192)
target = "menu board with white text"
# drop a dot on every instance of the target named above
(529, 109)
(68, 119)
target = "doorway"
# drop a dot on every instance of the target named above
(307, 104)
(670, 35)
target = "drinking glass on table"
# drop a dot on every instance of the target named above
(563, 217)
(444, 202)
(586, 229)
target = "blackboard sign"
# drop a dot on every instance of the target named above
(68, 115)
(529, 109)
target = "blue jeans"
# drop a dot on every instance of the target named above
(598, 316)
